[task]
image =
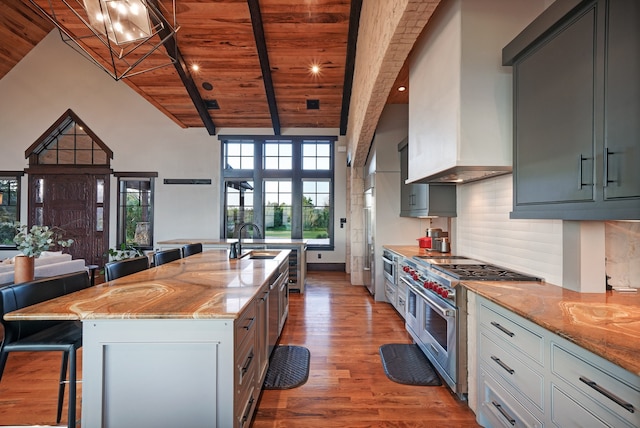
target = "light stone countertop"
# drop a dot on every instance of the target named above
(205, 285)
(217, 241)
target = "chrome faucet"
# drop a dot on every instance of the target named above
(242, 226)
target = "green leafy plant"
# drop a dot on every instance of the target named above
(124, 252)
(32, 242)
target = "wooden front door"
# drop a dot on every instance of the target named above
(76, 203)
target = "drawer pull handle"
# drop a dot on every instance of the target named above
(611, 396)
(434, 349)
(247, 412)
(504, 413)
(249, 324)
(503, 365)
(247, 363)
(502, 329)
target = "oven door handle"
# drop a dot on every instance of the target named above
(386, 260)
(442, 311)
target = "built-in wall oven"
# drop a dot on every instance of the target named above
(394, 293)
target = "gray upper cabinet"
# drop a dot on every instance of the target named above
(423, 200)
(622, 102)
(576, 104)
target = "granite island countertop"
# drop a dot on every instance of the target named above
(207, 285)
(607, 324)
(224, 242)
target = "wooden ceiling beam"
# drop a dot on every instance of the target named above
(185, 76)
(350, 63)
(261, 44)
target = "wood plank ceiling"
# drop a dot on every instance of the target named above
(254, 60)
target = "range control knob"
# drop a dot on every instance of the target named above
(405, 268)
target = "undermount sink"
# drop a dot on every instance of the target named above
(262, 254)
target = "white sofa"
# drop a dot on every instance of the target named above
(48, 264)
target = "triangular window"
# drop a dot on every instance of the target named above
(69, 142)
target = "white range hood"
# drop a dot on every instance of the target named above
(460, 103)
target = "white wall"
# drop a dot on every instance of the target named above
(53, 78)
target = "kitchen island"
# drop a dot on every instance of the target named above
(176, 345)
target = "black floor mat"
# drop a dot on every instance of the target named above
(404, 363)
(288, 367)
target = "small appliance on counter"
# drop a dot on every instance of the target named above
(436, 240)
(424, 242)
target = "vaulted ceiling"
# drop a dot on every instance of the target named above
(254, 60)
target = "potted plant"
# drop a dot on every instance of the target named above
(32, 242)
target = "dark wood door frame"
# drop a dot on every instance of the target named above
(91, 244)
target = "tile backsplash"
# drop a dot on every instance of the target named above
(484, 230)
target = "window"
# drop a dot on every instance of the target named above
(284, 185)
(239, 205)
(277, 155)
(9, 207)
(316, 209)
(135, 210)
(277, 208)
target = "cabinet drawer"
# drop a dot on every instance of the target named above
(515, 372)
(498, 408)
(567, 413)
(245, 324)
(246, 364)
(513, 330)
(245, 406)
(596, 387)
(402, 305)
(390, 293)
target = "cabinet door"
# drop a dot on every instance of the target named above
(621, 175)
(554, 116)
(407, 191)
(421, 200)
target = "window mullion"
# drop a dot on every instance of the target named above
(258, 180)
(296, 191)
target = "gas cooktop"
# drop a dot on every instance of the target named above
(482, 272)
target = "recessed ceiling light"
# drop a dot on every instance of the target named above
(195, 67)
(402, 88)
(315, 69)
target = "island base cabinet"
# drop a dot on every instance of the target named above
(158, 373)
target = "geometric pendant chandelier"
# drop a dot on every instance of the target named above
(122, 37)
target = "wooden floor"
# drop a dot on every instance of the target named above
(342, 327)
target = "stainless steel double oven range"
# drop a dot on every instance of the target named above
(436, 311)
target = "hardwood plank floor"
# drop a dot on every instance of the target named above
(343, 329)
